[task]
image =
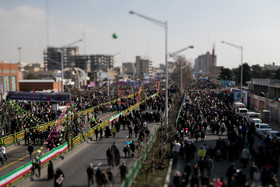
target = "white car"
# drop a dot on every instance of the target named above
(241, 111)
(261, 128)
(255, 120)
(271, 134)
(250, 115)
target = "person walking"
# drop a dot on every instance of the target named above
(1, 157)
(59, 178)
(30, 150)
(96, 133)
(109, 155)
(50, 170)
(36, 164)
(123, 170)
(3, 149)
(90, 173)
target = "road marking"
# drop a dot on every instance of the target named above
(15, 161)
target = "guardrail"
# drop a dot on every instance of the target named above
(23, 172)
(19, 136)
(132, 173)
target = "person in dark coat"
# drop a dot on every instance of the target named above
(107, 132)
(123, 170)
(116, 156)
(50, 170)
(58, 178)
(90, 174)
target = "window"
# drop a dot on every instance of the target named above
(14, 83)
(6, 83)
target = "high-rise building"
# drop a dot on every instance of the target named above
(144, 68)
(128, 68)
(204, 63)
(52, 57)
(101, 63)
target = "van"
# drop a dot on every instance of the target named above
(241, 111)
(237, 105)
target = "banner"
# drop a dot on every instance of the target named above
(39, 96)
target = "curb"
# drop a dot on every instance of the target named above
(167, 178)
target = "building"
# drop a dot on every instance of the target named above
(9, 77)
(101, 63)
(143, 68)
(128, 69)
(83, 62)
(204, 63)
(52, 57)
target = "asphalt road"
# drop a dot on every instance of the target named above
(75, 163)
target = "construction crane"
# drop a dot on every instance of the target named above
(72, 43)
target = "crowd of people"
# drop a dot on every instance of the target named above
(210, 112)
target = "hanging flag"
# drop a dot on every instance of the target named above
(139, 93)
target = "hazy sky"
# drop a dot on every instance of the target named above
(251, 23)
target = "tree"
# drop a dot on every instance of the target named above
(182, 64)
(276, 74)
(30, 76)
(225, 74)
(247, 74)
(267, 74)
(256, 71)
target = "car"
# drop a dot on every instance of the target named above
(261, 128)
(250, 115)
(255, 120)
(237, 105)
(241, 111)
(271, 134)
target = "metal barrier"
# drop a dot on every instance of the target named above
(132, 173)
(6, 141)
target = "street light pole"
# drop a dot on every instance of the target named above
(165, 26)
(241, 69)
(181, 76)
(62, 67)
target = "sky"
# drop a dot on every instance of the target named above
(33, 25)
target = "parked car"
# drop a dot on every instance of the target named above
(271, 134)
(255, 120)
(241, 111)
(261, 128)
(237, 105)
(250, 115)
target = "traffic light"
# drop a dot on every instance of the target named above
(115, 36)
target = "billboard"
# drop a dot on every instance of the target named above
(39, 96)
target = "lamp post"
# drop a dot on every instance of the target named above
(241, 73)
(162, 24)
(173, 55)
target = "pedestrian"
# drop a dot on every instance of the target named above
(245, 154)
(176, 178)
(3, 149)
(123, 170)
(50, 170)
(59, 178)
(36, 164)
(109, 155)
(114, 130)
(30, 150)
(90, 174)
(1, 157)
(126, 151)
(110, 176)
(101, 133)
(96, 133)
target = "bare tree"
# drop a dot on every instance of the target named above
(182, 67)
